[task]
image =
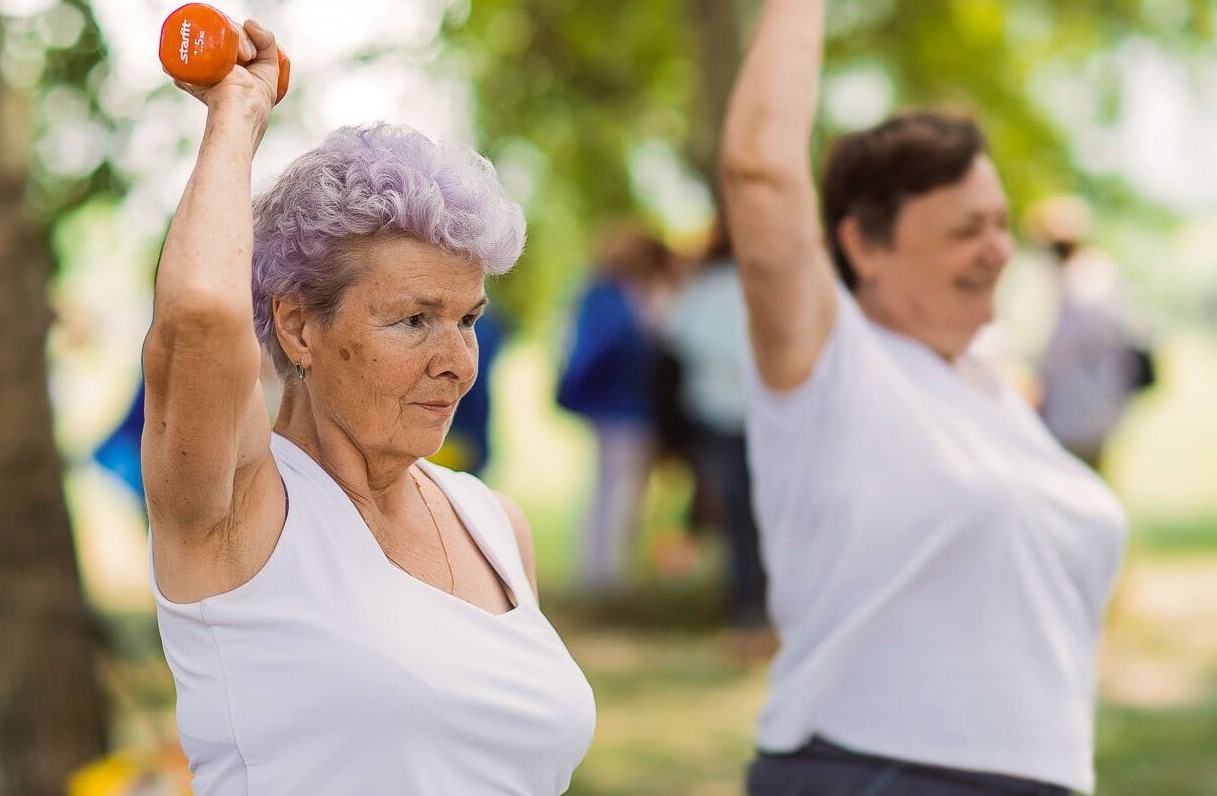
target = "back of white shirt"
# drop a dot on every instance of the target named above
(939, 567)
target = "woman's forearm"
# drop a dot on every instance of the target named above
(206, 262)
(769, 196)
(772, 108)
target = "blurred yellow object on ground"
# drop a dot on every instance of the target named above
(158, 772)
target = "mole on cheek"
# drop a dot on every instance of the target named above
(342, 352)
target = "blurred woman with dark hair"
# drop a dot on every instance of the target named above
(939, 566)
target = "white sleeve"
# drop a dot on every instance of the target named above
(845, 365)
(819, 428)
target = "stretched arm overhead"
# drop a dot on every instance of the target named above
(206, 428)
(770, 200)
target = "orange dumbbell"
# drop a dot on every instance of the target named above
(199, 46)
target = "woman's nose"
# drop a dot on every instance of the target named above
(999, 247)
(457, 355)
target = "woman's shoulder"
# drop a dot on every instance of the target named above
(495, 517)
(848, 356)
(469, 494)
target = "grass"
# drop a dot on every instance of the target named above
(1158, 752)
(1176, 536)
(674, 712)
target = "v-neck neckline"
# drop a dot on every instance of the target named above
(484, 548)
(992, 395)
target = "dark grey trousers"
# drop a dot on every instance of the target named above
(824, 769)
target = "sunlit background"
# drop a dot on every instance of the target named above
(596, 111)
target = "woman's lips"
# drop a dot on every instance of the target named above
(438, 407)
(977, 283)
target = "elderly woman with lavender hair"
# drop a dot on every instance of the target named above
(340, 615)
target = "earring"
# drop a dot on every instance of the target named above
(299, 370)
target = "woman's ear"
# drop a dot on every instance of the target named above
(293, 328)
(860, 251)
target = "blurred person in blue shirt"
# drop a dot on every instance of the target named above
(119, 452)
(607, 379)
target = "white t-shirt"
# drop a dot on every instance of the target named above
(333, 672)
(707, 328)
(938, 566)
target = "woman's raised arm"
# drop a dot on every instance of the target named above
(206, 426)
(769, 196)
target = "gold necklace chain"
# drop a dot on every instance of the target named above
(431, 512)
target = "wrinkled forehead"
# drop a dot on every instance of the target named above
(402, 270)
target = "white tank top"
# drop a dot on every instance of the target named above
(334, 672)
(938, 566)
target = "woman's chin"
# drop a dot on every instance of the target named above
(980, 312)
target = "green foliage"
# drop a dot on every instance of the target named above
(994, 59)
(567, 94)
(566, 91)
(56, 60)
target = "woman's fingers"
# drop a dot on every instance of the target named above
(192, 90)
(246, 50)
(266, 64)
(261, 38)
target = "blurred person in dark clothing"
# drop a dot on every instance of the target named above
(705, 327)
(607, 378)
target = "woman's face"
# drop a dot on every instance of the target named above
(936, 279)
(401, 350)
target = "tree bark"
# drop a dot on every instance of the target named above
(719, 50)
(52, 713)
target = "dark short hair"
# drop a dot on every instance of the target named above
(870, 174)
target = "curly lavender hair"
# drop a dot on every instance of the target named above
(364, 182)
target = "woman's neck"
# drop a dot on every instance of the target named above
(366, 476)
(948, 344)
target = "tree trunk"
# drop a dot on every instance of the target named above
(719, 50)
(52, 716)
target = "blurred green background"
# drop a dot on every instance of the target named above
(592, 112)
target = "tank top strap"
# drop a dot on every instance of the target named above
(484, 517)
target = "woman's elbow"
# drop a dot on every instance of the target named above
(742, 168)
(214, 330)
(203, 307)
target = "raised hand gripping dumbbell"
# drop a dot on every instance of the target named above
(199, 46)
